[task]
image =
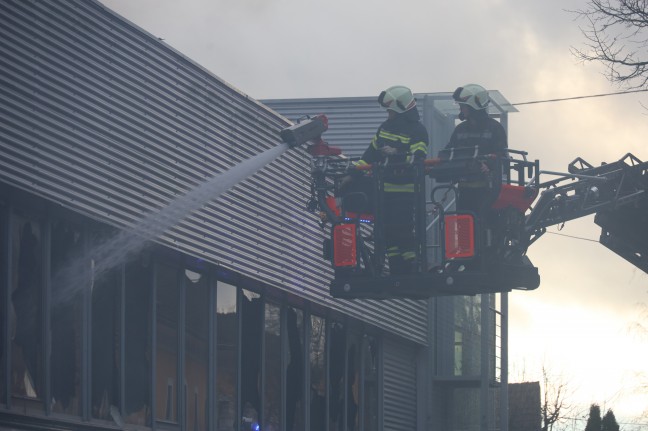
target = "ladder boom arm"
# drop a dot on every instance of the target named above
(617, 193)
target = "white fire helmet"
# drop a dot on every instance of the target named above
(472, 95)
(397, 98)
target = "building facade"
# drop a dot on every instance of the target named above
(159, 271)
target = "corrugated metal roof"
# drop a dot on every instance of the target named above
(102, 117)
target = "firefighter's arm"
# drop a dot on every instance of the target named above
(372, 153)
(497, 148)
(419, 145)
(358, 168)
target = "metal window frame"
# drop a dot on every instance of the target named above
(351, 327)
(6, 218)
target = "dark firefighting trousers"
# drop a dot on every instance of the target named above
(399, 232)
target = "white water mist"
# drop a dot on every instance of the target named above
(73, 277)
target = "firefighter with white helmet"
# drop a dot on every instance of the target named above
(477, 128)
(472, 95)
(398, 99)
(480, 134)
(400, 139)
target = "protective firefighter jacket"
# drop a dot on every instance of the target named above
(407, 135)
(484, 132)
(480, 135)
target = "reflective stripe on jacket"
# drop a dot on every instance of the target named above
(407, 135)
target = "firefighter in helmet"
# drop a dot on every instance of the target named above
(479, 134)
(400, 139)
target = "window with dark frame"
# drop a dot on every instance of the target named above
(252, 331)
(70, 277)
(260, 348)
(196, 352)
(317, 363)
(4, 303)
(272, 387)
(337, 370)
(353, 382)
(467, 343)
(106, 338)
(295, 369)
(167, 324)
(227, 358)
(27, 368)
(137, 348)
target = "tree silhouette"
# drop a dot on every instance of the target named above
(555, 403)
(616, 33)
(595, 423)
(594, 420)
(609, 422)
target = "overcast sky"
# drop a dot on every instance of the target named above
(578, 323)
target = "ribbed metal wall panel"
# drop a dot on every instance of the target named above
(102, 117)
(400, 386)
(352, 120)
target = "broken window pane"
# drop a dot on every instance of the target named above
(295, 370)
(226, 356)
(272, 357)
(4, 306)
(196, 349)
(353, 382)
(138, 342)
(317, 374)
(337, 370)
(106, 344)
(166, 327)
(70, 275)
(26, 311)
(252, 313)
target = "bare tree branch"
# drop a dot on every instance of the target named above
(616, 34)
(555, 405)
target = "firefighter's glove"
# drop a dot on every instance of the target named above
(418, 158)
(484, 168)
(388, 151)
(354, 172)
